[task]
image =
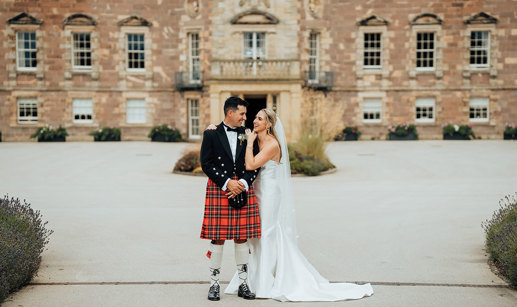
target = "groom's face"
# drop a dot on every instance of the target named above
(238, 116)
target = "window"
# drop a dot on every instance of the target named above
(26, 50)
(195, 74)
(372, 51)
(135, 52)
(82, 110)
(425, 109)
(372, 108)
(254, 45)
(81, 51)
(135, 111)
(313, 57)
(193, 105)
(478, 110)
(425, 50)
(27, 110)
(479, 49)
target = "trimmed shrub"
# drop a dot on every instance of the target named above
(164, 133)
(463, 130)
(106, 134)
(47, 133)
(308, 165)
(403, 130)
(23, 237)
(501, 238)
(189, 162)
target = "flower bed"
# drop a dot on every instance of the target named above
(350, 133)
(402, 132)
(164, 133)
(48, 134)
(501, 238)
(455, 132)
(23, 237)
(106, 134)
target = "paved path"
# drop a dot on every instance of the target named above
(404, 216)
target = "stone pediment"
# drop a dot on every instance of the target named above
(481, 18)
(254, 16)
(79, 20)
(24, 19)
(373, 21)
(134, 21)
(426, 19)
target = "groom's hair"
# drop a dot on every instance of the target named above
(233, 103)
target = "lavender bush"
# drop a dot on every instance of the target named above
(501, 237)
(23, 237)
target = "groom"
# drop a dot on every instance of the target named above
(222, 160)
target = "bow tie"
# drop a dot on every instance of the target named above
(231, 129)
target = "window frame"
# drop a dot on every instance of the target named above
(193, 58)
(35, 68)
(192, 117)
(314, 56)
(254, 47)
(433, 50)
(127, 34)
(370, 100)
(73, 50)
(365, 50)
(132, 121)
(479, 102)
(480, 66)
(425, 102)
(82, 121)
(27, 119)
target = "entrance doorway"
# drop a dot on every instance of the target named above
(256, 103)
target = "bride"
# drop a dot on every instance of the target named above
(277, 268)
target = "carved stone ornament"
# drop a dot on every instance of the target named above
(426, 19)
(373, 21)
(192, 7)
(134, 21)
(24, 19)
(316, 8)
(79, 20)
(254, 3)
(481, 18)
(254, 16)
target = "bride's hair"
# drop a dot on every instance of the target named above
(271, 119)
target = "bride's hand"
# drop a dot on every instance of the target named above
(251, 135)
(211, 127)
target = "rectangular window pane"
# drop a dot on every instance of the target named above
(135, 52)
(372, 108)
(83, 110)
(27, 110)
(135, 111)
(81, 50)
(193, 105)
(26, 50)
(425, 50)
(313, 56)
(254, 45)
(195, 71)
(372, 50)
(478, 109)
(425, 109)
(479, 48)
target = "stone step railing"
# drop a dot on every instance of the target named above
(255, 69)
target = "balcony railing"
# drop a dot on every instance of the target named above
(185, 80)
(255, 69)
(319, 80)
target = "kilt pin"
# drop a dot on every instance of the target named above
(221, 221)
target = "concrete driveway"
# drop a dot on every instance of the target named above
(404, 216)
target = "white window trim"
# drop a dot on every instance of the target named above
(145, 111)
(81, 68)
(254, 47)
(480, 102)
(434, 51)
(426, 102)
(126, 37)
(31, 119)
(17, 57)
(190, 127)
(371, 121)
(373, 67)
(481, 66)
(316, 57)
(192, 57)
(81, 121)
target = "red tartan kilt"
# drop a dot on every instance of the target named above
(222, 222)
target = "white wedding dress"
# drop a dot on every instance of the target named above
(277, 268)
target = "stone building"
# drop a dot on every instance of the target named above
(135, 64)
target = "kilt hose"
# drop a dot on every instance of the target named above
(222, 222)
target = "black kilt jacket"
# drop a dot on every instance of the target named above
(217, 161)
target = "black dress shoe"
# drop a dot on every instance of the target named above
(245, 292)
(213, 293)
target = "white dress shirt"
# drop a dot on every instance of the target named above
(232, 139)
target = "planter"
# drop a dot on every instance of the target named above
(108, 139)
(505, 137)
(161, 138)
(351, 137)
(410, 137)
(56, 139)
(455, 136)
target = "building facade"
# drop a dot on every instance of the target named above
(135, 64)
